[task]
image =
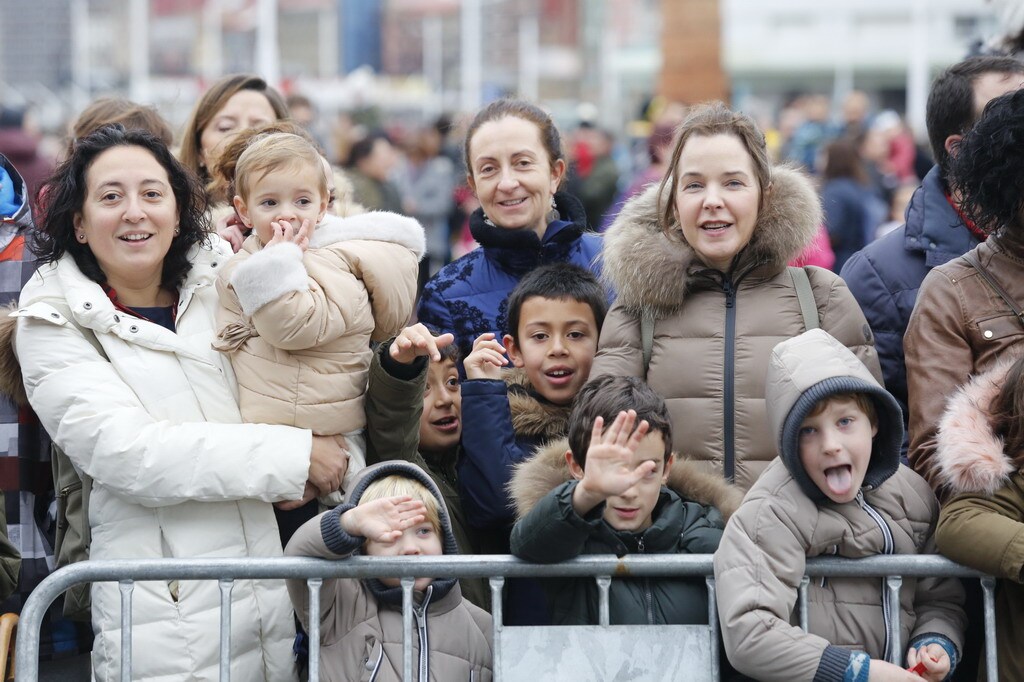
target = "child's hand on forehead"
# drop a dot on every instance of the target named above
(384, 520)
(487, 358)
(610, 469)
(284, 232)
(417, 341)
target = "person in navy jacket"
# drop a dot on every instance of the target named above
(885, 275)
(515, 166)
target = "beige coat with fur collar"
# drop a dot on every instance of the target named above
(714, 381)
(298, 325)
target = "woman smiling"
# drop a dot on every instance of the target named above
(515, 166)
(114, 339)
(704, 256)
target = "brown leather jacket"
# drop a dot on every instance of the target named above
(959, 327)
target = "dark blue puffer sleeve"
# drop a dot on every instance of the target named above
(888, 323)
(489, 450)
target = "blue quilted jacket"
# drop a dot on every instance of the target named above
(468, 297)
(885, 275)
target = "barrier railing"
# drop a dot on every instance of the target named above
(495, 567)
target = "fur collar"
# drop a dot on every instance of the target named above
(532, 416)
(11, 383)
(649, 270)
(969, 457)
(379, 226)
(537, 476)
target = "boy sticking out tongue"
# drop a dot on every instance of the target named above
(837, 489)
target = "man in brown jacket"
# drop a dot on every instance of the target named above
(839, 489)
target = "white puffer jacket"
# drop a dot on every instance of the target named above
(152, 417)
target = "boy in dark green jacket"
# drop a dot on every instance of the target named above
(414, 413)
(615, 501)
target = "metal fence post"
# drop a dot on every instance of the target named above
(126, 587)
(225, 629)
(314, 628)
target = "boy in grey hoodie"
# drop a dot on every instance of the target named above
(838, 489)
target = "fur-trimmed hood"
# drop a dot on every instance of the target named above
(547, 469)
(533, 416)
(380, 226)
(969, 456)
(649, 270)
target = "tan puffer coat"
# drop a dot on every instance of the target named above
(713, 334)
(298, 326)
(761, 559)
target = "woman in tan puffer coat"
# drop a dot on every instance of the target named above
(709, 266)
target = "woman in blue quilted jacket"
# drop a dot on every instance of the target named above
(515, 166)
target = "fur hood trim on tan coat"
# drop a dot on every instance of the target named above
(648, 269)
(11, 383)
(969, 456)
(533, 417)
(537, 476)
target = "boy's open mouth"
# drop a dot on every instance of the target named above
(559, 376)
(839, 479)
(446, 424)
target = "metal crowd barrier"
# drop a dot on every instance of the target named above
(494, 567)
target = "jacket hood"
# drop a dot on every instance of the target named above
(535, 477)
(21, 216)
(359, 483)
(969, 456)
(374, 472)
(381, 226)
(803, 371)
(649, 270)
(933, 226)
(532, 415)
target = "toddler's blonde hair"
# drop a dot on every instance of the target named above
(273, 152)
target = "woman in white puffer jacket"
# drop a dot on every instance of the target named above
(114, 339)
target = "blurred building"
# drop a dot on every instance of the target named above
(890, 49)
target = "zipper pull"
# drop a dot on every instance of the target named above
(730, 292)
(640, 544)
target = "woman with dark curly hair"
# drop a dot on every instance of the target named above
(114, 339)
(961, 323)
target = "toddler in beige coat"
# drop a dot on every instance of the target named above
(307, 293)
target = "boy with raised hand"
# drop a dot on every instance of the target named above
(615, 501)
(837, 489)
(414, 413)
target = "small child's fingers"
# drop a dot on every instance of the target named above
(911, 657)
(444, 340)
(597, 431)
(623, 427)
(645, 468)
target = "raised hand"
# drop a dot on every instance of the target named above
(416, 341)
(384, 520)
(284, 232)
(610, 465)
(486, 359)
(230, 229)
